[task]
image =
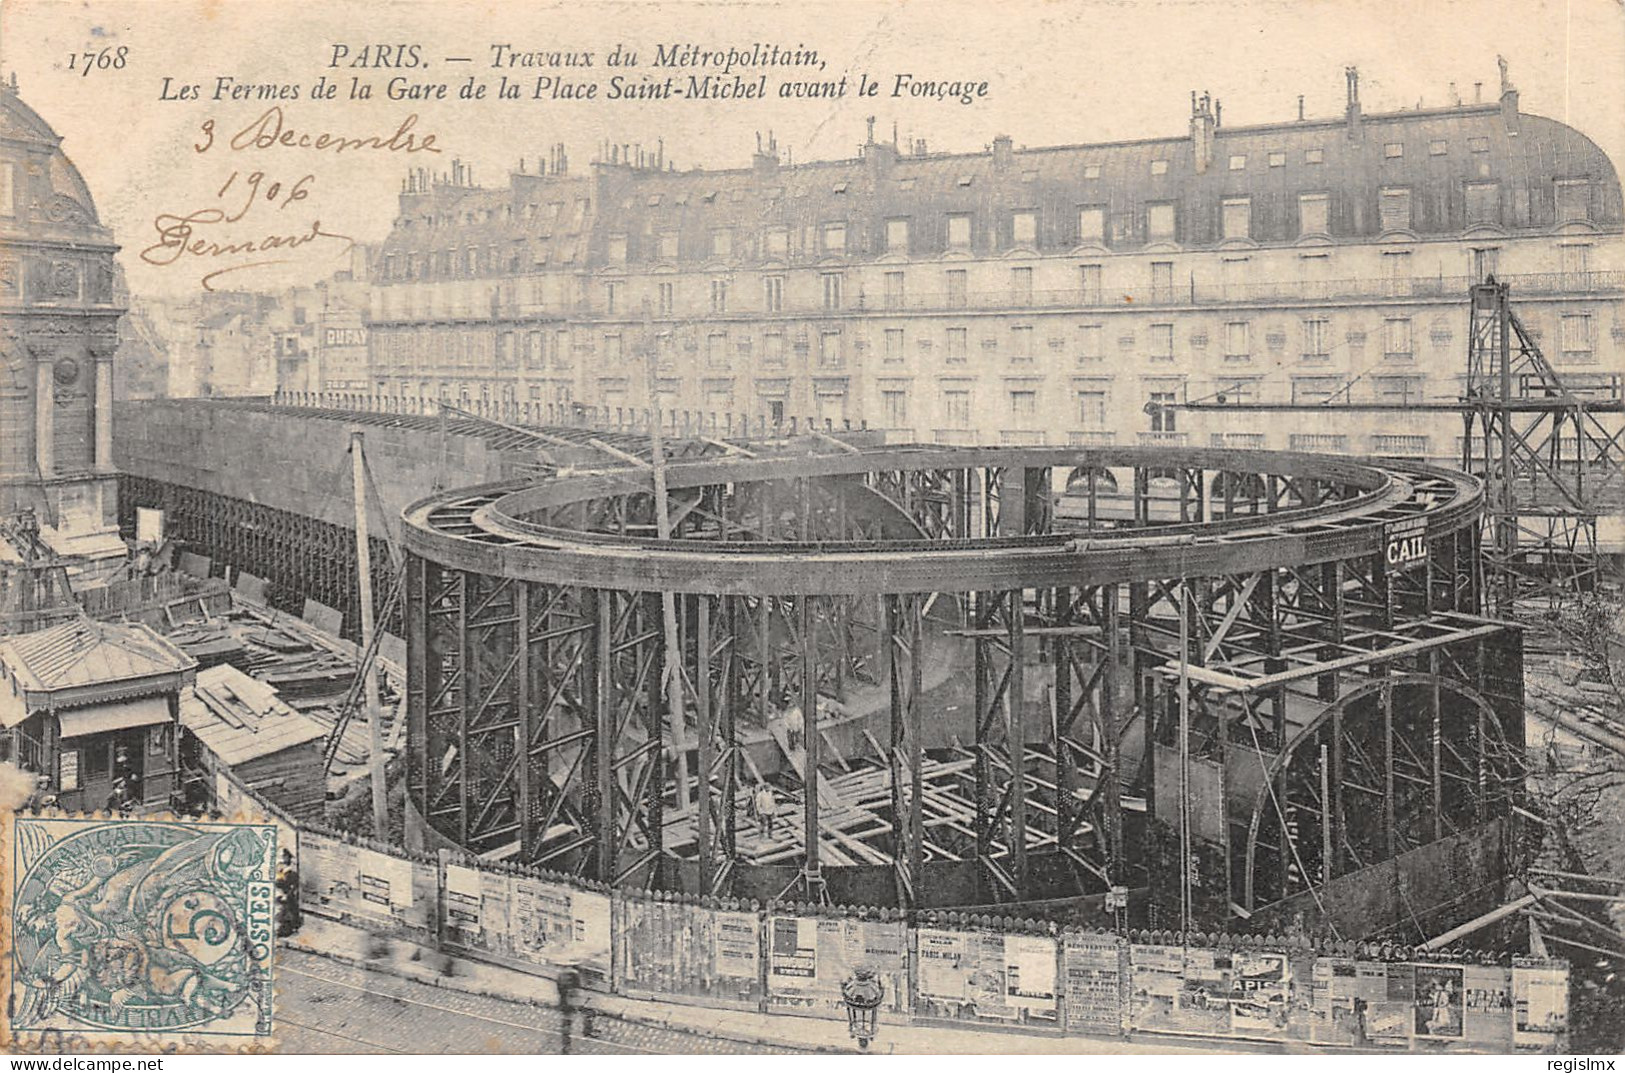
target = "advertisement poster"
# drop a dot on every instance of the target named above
(1487, 1005)
(463, 903)
(385, 881)
(1205, 994)
(1029, 974)
(1335, 1001)
(792, 951)
(1156, 978)
(839, 946)
(736, 945)
(1261, 994)
(1094, 981)
(962, 976)
(1391, 1019)
(1540, 1003)
(1439, 997)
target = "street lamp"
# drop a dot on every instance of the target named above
(862, 992)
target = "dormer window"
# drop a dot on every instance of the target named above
(1091, 171)
(1024, 228)
(1573, 199)
(1393, 150)
(1314, 156)
(1159, 167)
(1238, 162)
(1277, 159)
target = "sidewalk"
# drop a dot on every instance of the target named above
(408, 960)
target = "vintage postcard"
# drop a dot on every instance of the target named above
(764, 527)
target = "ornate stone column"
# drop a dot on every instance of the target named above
(102, 353)
(44, 412)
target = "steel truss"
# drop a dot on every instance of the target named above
(1072, 671)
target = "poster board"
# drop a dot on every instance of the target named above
(808, 958)
(1540, 1003)
(689, 953)
(1093, 983)
(972, 976)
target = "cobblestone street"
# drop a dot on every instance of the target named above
(326, 1007)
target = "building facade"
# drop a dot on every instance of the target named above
(59, 312)
(1049, 295)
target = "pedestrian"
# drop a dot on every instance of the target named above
(767, 807)
(569, 982)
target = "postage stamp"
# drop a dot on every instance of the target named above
(141, 931)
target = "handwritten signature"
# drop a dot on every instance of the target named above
(178, 240)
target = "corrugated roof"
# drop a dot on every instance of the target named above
(239, 719)
(85, 653)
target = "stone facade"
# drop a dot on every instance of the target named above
(1020, 295)
(59, 311)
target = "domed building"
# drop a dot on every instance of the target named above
(58, 336)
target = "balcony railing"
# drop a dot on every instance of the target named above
(1092, 438)
(1191, 293)
(1245, 440)
(1164, 439)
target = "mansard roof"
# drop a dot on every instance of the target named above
(1434, 155)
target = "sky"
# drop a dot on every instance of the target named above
(1056, 73)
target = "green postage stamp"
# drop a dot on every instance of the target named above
(140, 932)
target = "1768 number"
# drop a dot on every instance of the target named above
(108, 59)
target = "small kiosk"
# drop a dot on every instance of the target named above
(93, 709)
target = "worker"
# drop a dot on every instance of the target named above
(767, 807)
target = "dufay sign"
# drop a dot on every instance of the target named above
(1405, 543)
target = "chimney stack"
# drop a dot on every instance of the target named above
(1004, 153)
(1202, 125)
(1352, 109)
(1509, 97)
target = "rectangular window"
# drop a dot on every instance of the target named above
(1396, 338)
(1159, 222)
(894, 290)
(1394, 208)
(1316, 335)
(1021, 286)
(612, 298)
(1162, 342)
(1023, 403)
(1162, 281)
(719, 296)
(1314, 156)
(1438, 147)
(612, 348)
(1485, 260)
(1159, 167)
(617, 249)
(1091, 409)
(1483, 203)
(1313, 215)
(957, 294)
(1577, 337)
(896, 236)
(1238, 162)
(1237, 341)
(835, 239)
(722, 242)
(1163, 419)
(957, 346)
(1089, 279)
(1021, 344)
(1236, 216)
(668, 245)
(8, 199)
(1314, 390)
(773, 294)
(1092, 224)
(776, 242)
(959, 232)
(1396, 271)
(829, 350)
(1024, 228)
(1091, 171)
(1393, 150)
(1091, 342)
(1278, 159)
(894, 406)
(894, 346)
(773, 348)
(1575, 261)
(665, 292)
(716, 350)
(1573, 200)
(1478, 145)
(956, 408)
(832, 289)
